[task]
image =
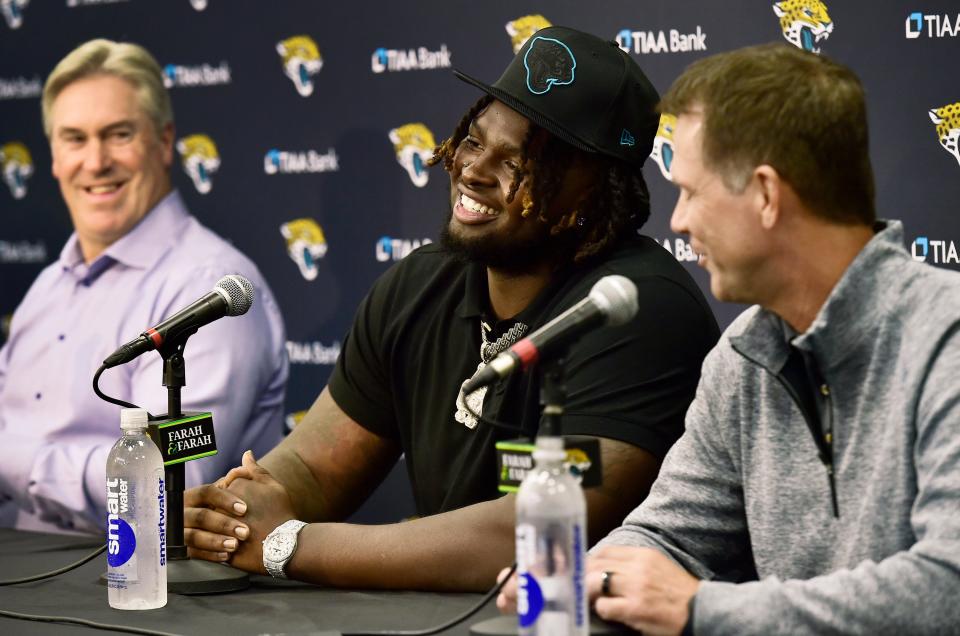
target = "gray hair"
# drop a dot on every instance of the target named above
(125, 60)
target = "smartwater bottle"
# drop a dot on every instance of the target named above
(551, 539)
(136, 518)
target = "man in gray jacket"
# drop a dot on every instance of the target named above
(816, 489)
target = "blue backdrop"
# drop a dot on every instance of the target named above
(302, 126)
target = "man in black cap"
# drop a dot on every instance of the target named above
(546, 198)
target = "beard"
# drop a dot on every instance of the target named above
(512, 254)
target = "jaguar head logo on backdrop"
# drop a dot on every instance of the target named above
(306, 245)
(413, 145)
(522, 29)
(301, 60)
(13, 12)
(947, 120)
(17, 167)
(805, 23)
(662, 152)
(200, 159)
(292, 419)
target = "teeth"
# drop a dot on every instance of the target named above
(476, 206)
(104, 189)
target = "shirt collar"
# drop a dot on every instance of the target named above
(139, 248)
(845, 321)
(476, 299)
(849, 316)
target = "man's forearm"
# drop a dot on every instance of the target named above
(462, 550)
(329, 464)
(305, 492)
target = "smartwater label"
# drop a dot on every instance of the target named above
(529, 600)
(578, 592)
(529, 594)
(162, 526)
(121, 539)
(122, 543)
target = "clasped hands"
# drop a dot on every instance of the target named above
(228, 520)
(644, 589)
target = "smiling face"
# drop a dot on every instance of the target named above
(484, 225)
(112, 165)
(724, 226)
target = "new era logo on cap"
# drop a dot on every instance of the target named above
(626, 139)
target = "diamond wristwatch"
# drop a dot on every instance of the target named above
(279, 547)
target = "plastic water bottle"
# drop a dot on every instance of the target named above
(551, 540)
(136, 518)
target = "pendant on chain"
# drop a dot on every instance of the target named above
(488, 351)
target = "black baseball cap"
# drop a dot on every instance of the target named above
(584, 90)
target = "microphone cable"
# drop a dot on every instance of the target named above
(53, 573)
(103, 396)
(490, 421)
(85, 622)
(70, 619)
(456, 620)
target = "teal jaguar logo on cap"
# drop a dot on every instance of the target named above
(549, 62)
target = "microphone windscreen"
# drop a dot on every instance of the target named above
(617, 298)
(238, 292)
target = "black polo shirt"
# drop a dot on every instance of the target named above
(416, 338)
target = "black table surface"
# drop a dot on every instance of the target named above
(267, 608)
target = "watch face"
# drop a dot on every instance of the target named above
(279, 547)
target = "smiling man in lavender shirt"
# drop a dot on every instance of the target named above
(136, 256)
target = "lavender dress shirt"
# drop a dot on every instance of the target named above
(55, 433)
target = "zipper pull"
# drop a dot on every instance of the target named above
(828, 438)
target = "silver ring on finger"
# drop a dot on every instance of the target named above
(605, 577)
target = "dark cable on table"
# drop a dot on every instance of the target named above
(86, 623)
(47, 575)
(136, 630)
(450, 623)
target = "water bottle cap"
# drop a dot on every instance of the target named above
(133, 418)
(549, 448)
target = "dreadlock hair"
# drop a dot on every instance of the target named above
(618, 204)
(448, 147)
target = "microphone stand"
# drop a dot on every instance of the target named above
(186, 575)
(553, 394)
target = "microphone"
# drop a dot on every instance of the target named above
(611, 301)
(232, 296)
